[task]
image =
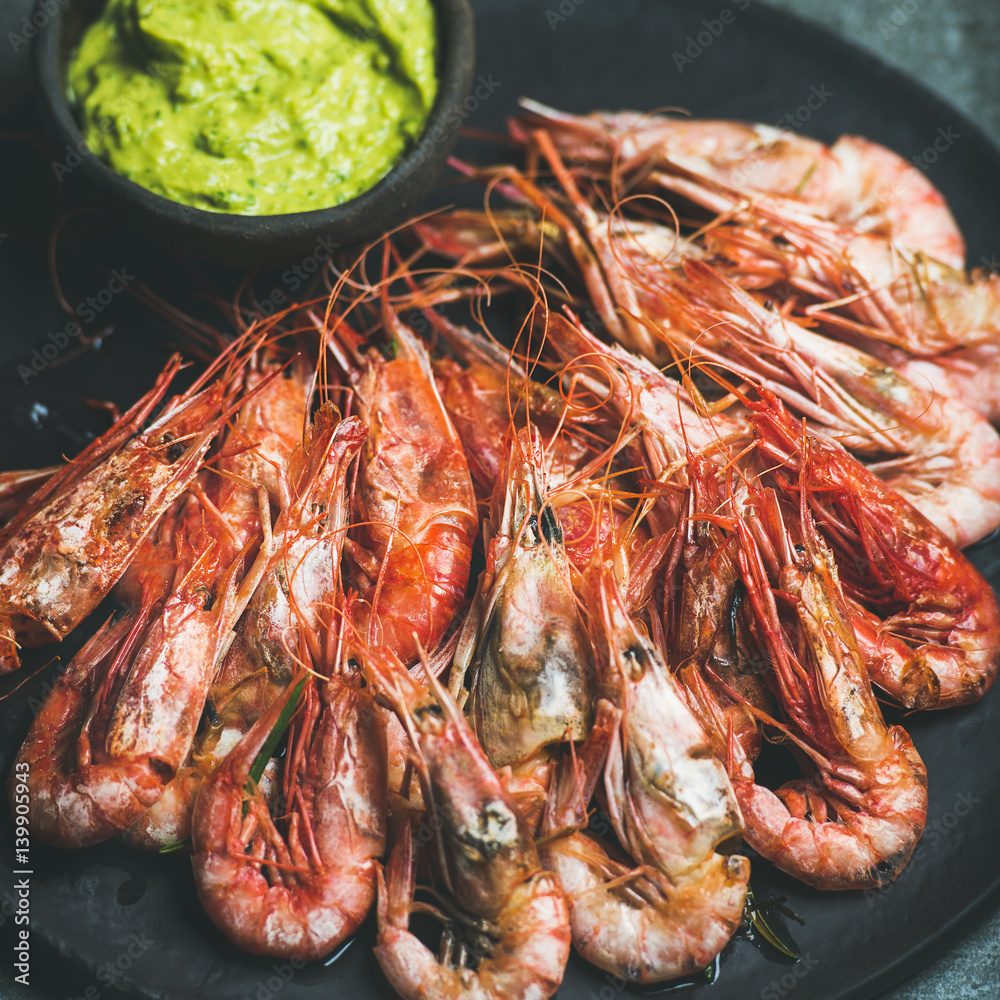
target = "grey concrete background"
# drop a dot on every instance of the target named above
(951, 47)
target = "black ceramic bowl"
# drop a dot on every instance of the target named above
(250, 240)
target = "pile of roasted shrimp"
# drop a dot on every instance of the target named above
(715, 491)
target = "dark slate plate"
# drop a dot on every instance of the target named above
(106, 919)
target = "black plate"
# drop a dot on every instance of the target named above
(119, 918)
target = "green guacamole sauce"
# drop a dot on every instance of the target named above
(255, 107)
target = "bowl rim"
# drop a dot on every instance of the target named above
(456, 60)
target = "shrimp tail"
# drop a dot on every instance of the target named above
(301, 893)
(76, 800)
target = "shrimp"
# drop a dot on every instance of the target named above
(487, 392)
(855, 182)
(268, 428)
(636, 924)
(633, 921)
(303, 893)
(669, 797)
(265, 431)
(940, 645)
(532, 682)
(140, 716)
(671, 805)
(931, 322)
(414, 500)
(661, 424)
(507, 925)
(855, 822)
(291, 612)
(701, 621)
(287, 618)
(942, 456)
(65, 551)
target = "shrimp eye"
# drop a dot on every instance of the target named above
(210, 714)
(739, 593)
(176, 450)
(533, 525)
(429, 715)
(551, 531)
(638, 658)
(801, 549)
